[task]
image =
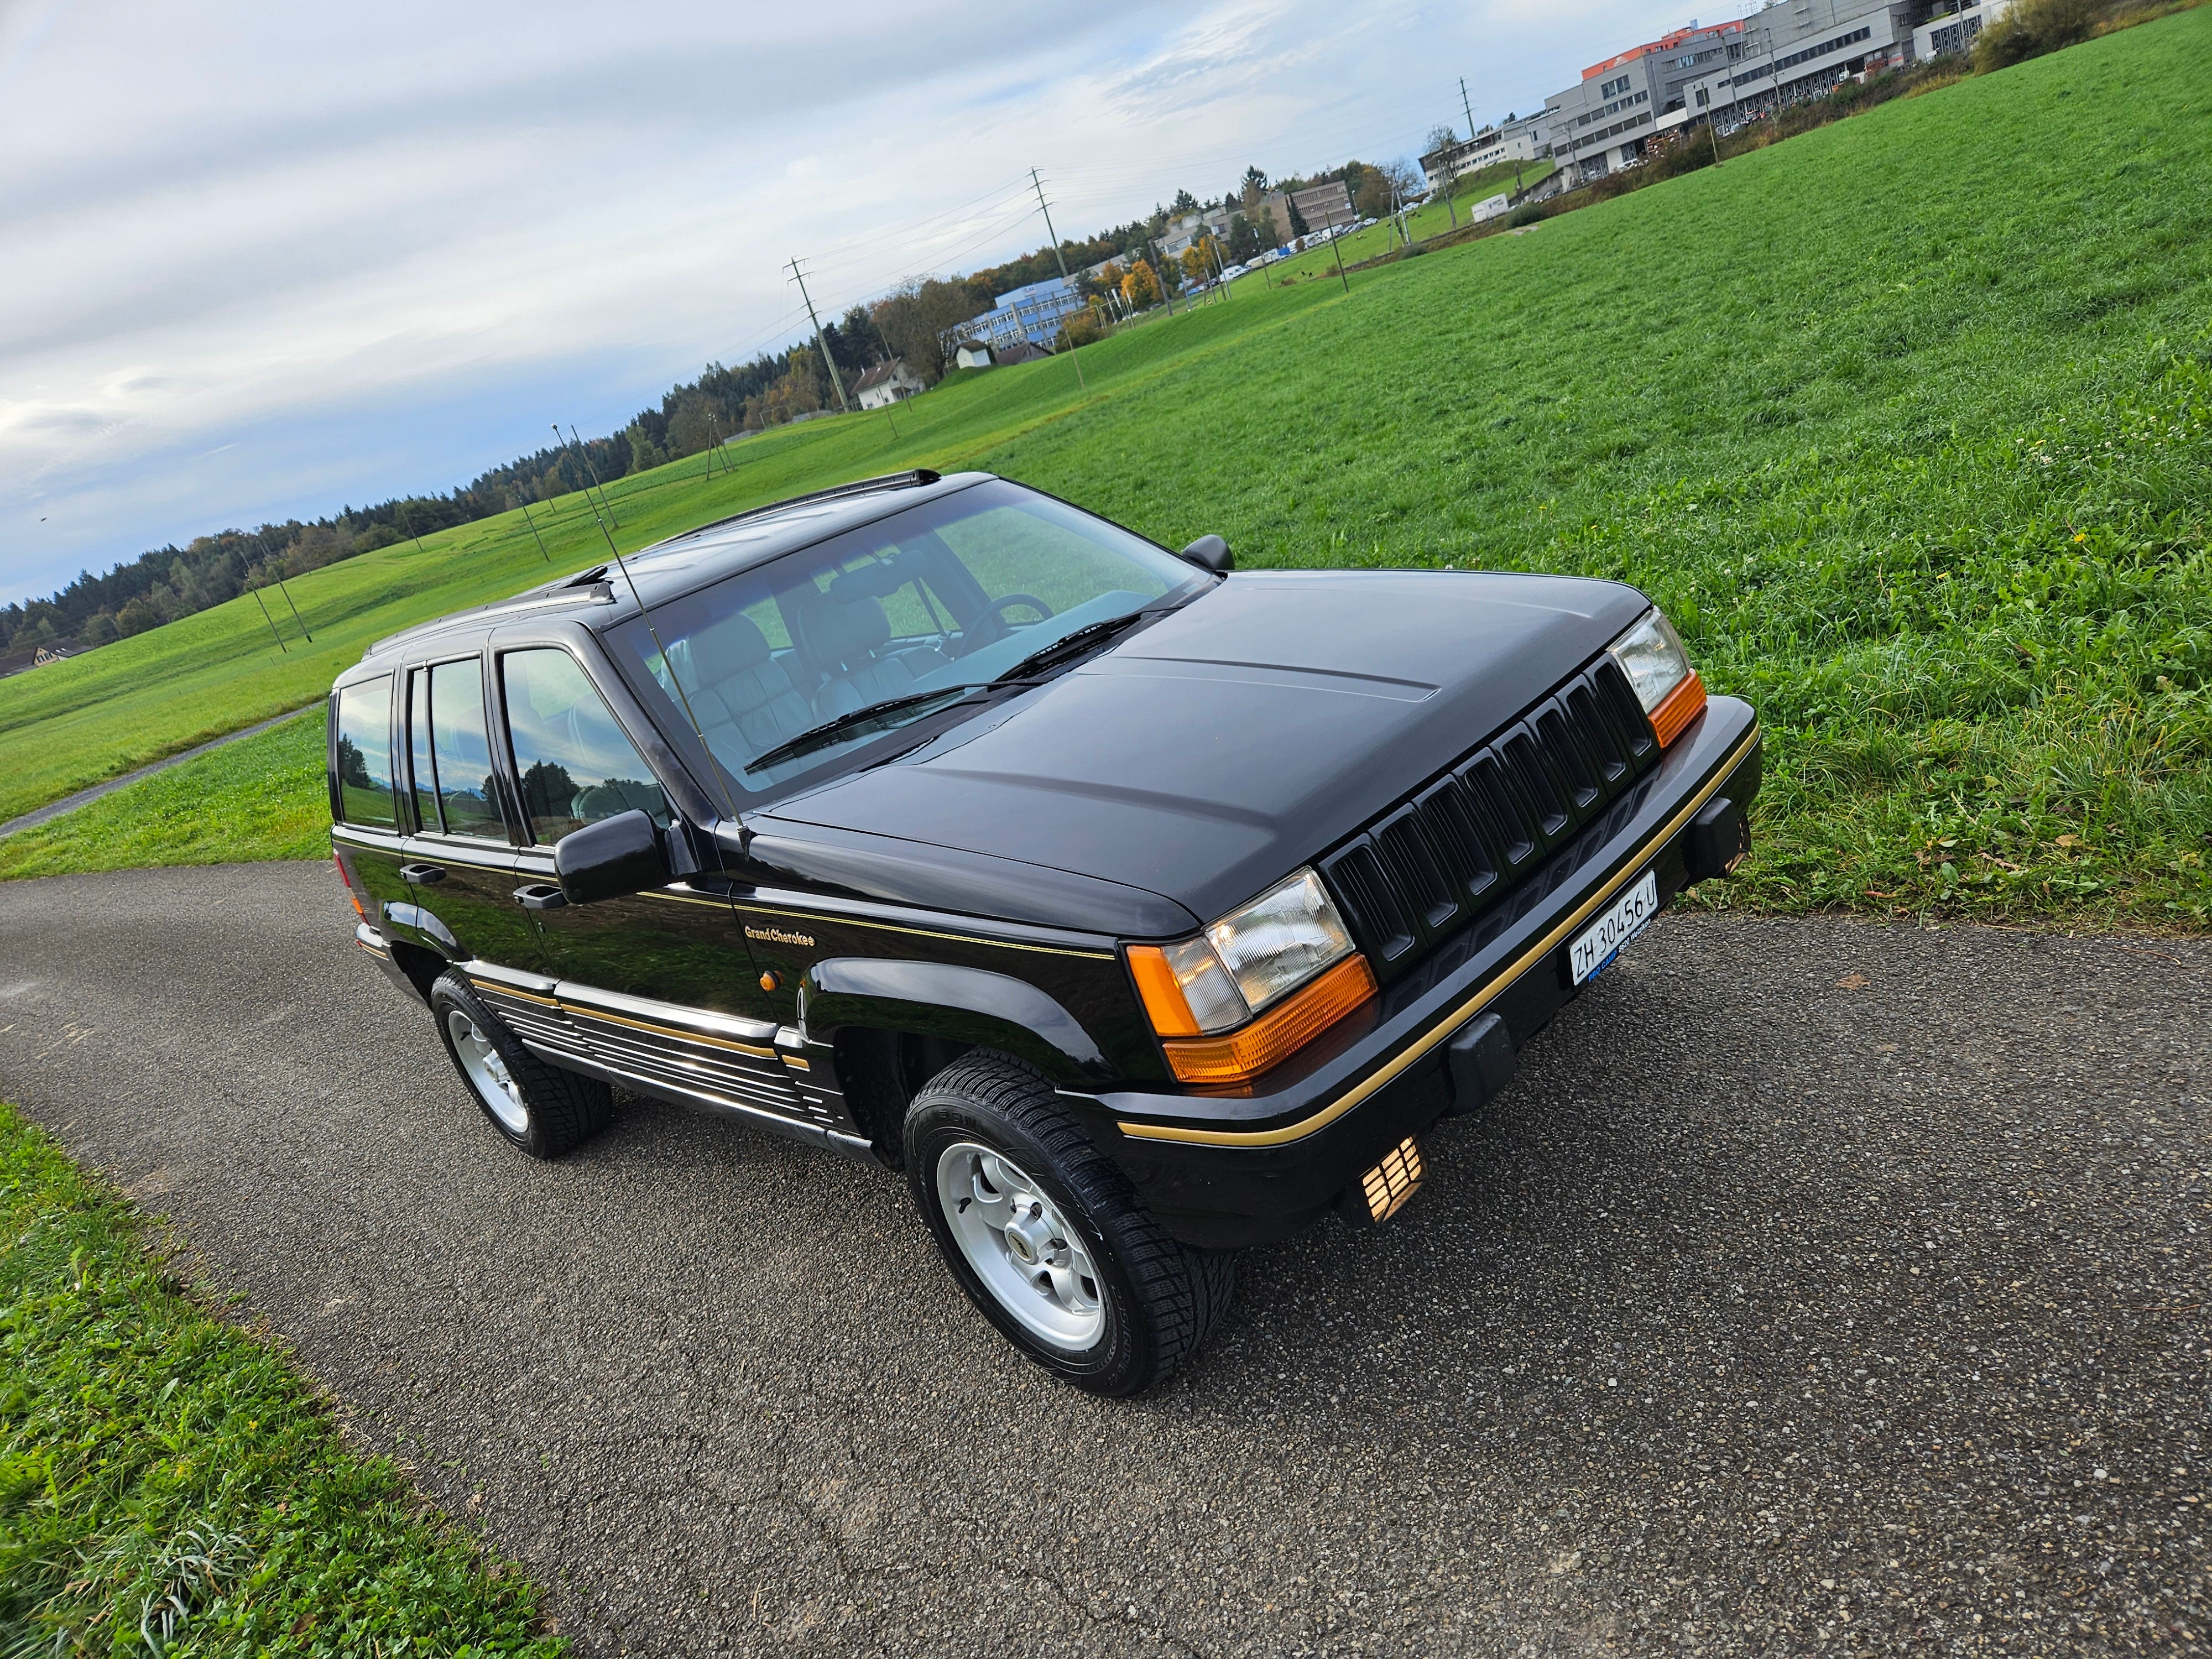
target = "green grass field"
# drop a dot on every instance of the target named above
(259, 798)
(169, 1484)
(1908, 423)
(1432, 219)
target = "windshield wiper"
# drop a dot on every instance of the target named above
(815, 736)
(1067, 644)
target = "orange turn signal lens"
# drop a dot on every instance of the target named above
(1161, 991)
(1678, 708)
(1276, 1034)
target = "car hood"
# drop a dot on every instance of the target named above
(1210, 754)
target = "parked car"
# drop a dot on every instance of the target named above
(1137, 908)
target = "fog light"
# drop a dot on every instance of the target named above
(1391, 1182)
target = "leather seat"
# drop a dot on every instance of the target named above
(846, 639)
(746, 701)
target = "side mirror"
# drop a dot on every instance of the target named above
(1210, 553)
(616, 855)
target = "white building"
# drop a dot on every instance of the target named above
(887, 383)
(1954, 31)
(1516, 138)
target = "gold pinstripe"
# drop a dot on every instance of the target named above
(926, 933)
(1458, 1017)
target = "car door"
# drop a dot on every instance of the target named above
(660, 983)
(460, 859)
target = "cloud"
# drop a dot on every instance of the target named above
(267, 260)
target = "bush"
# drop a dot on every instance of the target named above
(2032, 28)
(1081, 328)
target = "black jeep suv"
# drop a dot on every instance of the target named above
(1137, 910)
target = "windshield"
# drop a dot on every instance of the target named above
(955, 592)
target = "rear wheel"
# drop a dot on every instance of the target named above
(539, 1107)
(1046, 1236)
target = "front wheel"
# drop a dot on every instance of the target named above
(1046, 1236)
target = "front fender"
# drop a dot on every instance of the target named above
(967, 1004)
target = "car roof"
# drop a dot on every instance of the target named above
(600, 596)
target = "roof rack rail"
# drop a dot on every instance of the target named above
(916, 479)
(576, 591)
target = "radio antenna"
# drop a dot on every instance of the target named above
(669, 663)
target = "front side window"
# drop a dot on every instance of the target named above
(577, 766)
(462, 752)
(948, 596)
(364, 745)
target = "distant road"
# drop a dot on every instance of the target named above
(1767, 1312)
(84, 797)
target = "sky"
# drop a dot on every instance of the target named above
(259, 262)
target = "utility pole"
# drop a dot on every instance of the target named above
(820, 344)
(272, 621)
(287, 592)
(1062, 258)
(590, 500)
(532, 523)
(1467, 104)
(1328, 213)
(592, 472)
(1160, 274)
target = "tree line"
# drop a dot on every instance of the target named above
(774, 388)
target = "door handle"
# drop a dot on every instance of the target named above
(422, 875)
(540, 895)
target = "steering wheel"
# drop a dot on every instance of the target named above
(991, 625)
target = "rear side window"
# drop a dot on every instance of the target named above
(576, 764)
(461, 751)
(364, 719)
(418, 749)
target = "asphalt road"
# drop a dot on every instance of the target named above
(1767, 1314)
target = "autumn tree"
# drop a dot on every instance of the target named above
(913, 319)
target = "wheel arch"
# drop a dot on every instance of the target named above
(972, 1007)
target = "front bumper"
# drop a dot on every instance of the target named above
(1225, 1170)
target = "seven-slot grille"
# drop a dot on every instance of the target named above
(1435, 862)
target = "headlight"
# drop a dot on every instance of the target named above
(1285, 957)
(1281, 940)
(1651, 654)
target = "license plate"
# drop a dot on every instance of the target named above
(1632, 913)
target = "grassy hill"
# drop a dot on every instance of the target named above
(1907, 421)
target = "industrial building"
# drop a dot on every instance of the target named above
(1031, 314)
(1742, 70)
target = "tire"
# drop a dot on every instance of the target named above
(543, 1110)
(1001, 1171)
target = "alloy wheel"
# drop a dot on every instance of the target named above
(486, 1070)
(1035, 1264)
